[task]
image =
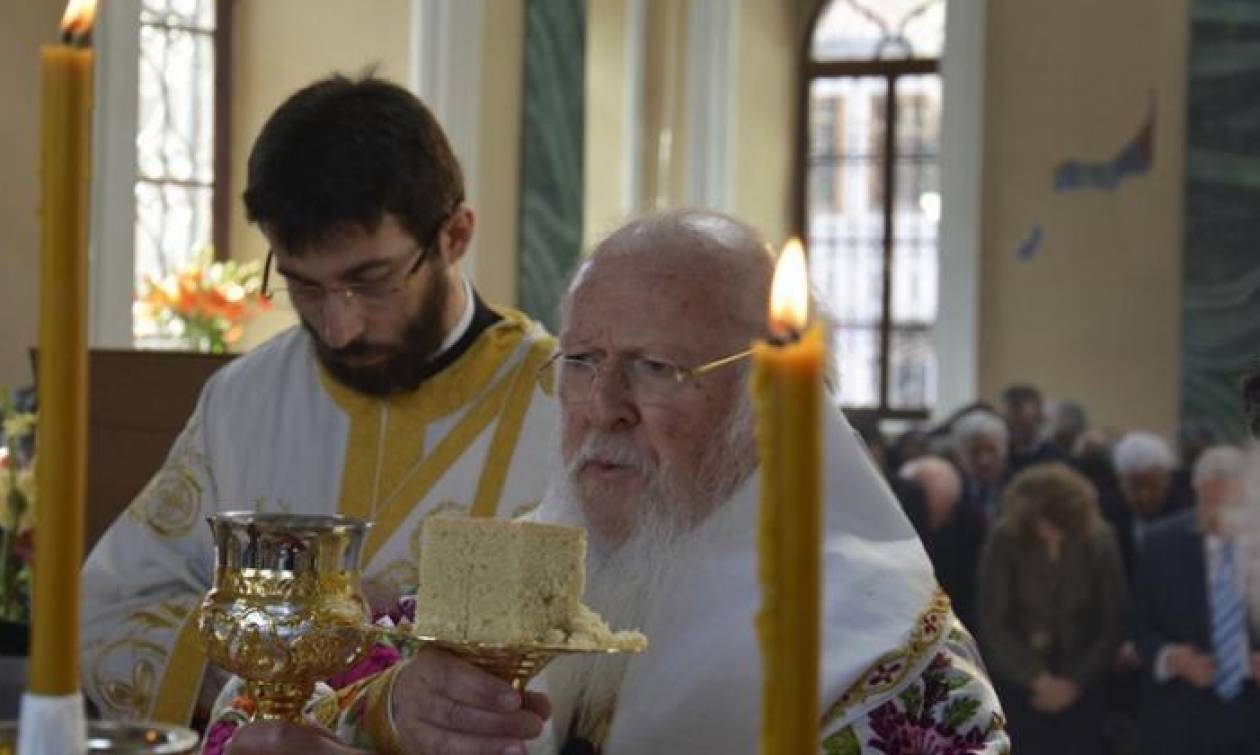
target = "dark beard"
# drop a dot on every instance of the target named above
(409, 364)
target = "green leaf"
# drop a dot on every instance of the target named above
(960, 710)
(843, 742)
(912, 698)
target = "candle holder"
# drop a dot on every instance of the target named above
(286, 609)
(136, 738)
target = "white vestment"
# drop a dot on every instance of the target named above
(697, 689)
(273, 432)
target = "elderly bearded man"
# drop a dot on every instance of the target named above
(660, 466)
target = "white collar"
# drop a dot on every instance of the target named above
(464, 322)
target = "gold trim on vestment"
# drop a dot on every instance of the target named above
(410, 413)
(181, 679)
(435, 466)
(899, 665)
(408, 471)
(495, 469)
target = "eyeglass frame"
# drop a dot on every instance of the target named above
(681, 374)
(348, 292)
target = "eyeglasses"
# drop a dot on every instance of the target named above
(371, 294)
(377, 293)
(649, 380)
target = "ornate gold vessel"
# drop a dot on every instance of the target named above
(516, 664)
(286, 609)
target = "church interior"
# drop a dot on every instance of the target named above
(1044, 213)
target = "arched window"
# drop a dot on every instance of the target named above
(870, 194)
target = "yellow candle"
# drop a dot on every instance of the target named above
(787, 390)
(61, 441)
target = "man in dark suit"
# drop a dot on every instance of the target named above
(1191, 627)
(953, 534)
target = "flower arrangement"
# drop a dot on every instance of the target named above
(204, 305)
(17, 505)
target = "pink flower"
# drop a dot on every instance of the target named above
(380, 658)
(217, 737)
(24, 547)
(403, 609)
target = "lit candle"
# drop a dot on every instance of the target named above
(61, 441)
(787, 389)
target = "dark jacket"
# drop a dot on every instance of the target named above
(1170, 605)
(1064, 617)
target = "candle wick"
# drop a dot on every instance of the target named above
(784, 335)
(76, 38)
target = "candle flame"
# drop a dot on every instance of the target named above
(789, 292)
(76, 24)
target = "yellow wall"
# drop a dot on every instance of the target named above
(24, 26)
(497, 185)
(606, 136)
(282, 45)
(766, 92)
(1094, 316)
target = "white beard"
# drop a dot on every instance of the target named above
(624, 581)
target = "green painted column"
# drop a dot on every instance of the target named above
(551, 156)
(1220, 336)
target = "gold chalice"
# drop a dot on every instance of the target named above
(286, 609)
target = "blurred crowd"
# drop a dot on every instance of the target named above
(1113, 581)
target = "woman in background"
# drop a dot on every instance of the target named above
(1052, 603)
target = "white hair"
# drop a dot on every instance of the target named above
(1142, 452)
(979, 423)
(1217, 463)
(933, 470)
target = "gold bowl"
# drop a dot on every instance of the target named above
(286, 609)
(515, 664)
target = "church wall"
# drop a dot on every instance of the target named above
(770, 34)
(24, 27)
(497, 185)
(1091, 310)
(607, 162)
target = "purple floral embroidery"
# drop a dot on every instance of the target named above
(884, 674)
(924, 720)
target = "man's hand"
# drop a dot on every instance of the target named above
(1187, 663)
(445, 706)
(282, 738)
(1127, 658)
(1255, 665)
(1052, 694)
